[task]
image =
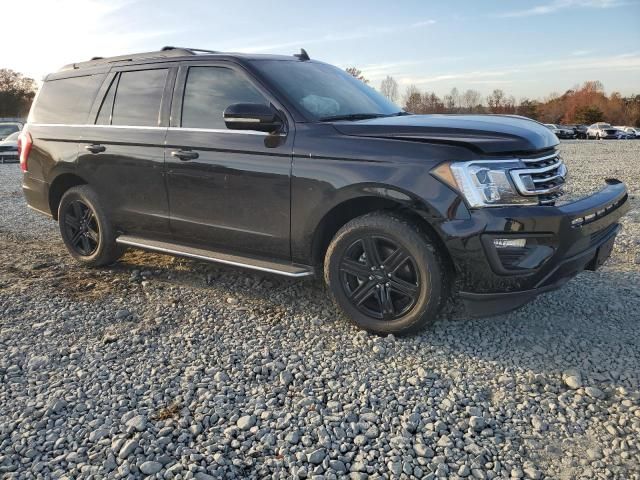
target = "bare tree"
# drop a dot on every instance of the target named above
(413, 100)
(389, 88)
(452, 101)
(471, 101)
(357, 73)
(431, 103)
(496, 101)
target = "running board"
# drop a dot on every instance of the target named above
(280, 268)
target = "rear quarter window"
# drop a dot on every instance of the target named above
(67, 100)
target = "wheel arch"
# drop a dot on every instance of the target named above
(370, 200)
(59, 186)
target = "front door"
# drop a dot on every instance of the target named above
(228, 189)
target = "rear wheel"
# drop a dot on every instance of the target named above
(385, 274)
(85, 228)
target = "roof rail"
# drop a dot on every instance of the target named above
(194, 51)
(162, 53)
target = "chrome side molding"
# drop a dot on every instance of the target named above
(279, 268)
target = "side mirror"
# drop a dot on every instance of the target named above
(252, 116)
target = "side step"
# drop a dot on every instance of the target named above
(280, 268)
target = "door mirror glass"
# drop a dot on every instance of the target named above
(252, 116)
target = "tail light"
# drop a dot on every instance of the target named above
(24, 149)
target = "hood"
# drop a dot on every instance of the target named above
(489, 134)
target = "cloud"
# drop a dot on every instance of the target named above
(626, 62)
(558, 5)
(333, 37)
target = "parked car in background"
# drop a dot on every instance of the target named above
(560, 131)
(7, 128)
(192, 153)
(602, 131)
(579, 130)
(9, 148)
(630, 132)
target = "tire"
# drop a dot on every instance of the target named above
(85, 228)
(412, 286)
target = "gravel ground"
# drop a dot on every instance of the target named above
(170, 368)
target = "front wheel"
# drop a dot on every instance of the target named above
(85, 228)
(385, 274)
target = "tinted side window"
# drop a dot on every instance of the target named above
(209, 91)
(138, 98)
(67, 100)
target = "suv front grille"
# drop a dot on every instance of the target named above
(543, 177)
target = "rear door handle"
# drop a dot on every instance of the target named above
(185, 155)
(95, 148)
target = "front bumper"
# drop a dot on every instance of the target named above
(565, 240)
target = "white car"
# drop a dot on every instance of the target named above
(601, 131)
(9, 148)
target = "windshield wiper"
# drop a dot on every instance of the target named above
(351, 116)
(361, 116)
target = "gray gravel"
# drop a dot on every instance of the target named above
(167, 368)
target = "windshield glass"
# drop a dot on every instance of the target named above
(12, 137)
(7, 129)
(323, 91)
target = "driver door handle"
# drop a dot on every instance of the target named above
(185, 155)
(95, 148)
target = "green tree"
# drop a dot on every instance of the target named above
(589, 114)
(16, 93)
(528, 108)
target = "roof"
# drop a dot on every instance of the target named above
(176, 53)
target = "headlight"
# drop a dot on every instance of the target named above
(483, 183)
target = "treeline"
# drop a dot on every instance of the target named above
(16, 93)
(585, 104)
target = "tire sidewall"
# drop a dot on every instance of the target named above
(105, 238)
(428, 270)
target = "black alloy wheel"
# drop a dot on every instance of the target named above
(82, 229)
(380, 277)
(386, 274)
(85, 228)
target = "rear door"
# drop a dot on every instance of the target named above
(235, 194)
(123, 151)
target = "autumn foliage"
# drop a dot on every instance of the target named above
(585, 104)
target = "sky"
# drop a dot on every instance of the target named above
(528, 48)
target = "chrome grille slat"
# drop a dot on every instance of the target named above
(543, 177)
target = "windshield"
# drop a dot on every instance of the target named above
(325, 92)
(12, 137)
(7, 129)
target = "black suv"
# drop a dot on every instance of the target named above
(291, 166)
